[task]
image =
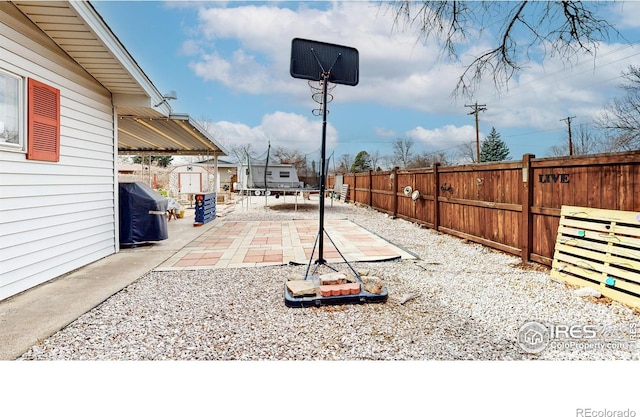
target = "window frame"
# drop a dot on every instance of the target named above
(21, 146)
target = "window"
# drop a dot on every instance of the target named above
(284, 174)
(11, 112)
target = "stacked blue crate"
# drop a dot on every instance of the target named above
(205, 210)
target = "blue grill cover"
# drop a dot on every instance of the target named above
(142, 214)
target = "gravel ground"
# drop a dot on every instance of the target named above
(470, 303)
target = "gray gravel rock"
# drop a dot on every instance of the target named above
(468, 302)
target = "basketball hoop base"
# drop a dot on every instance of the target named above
(363, 297)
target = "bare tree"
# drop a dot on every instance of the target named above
(560, 28)
(239, 152)
(402, 153)
(206, 123)
(584, 142)
(374, 159)
(467, 152)
(209, 126)
(426, 160)
(344, 164)
(387, 163)
(621, 117)
(292, 157)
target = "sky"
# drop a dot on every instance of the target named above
(229, 63)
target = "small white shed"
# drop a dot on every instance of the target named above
(191, 179)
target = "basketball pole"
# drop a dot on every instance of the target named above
(325, 80)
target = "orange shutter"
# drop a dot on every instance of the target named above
(44, 122)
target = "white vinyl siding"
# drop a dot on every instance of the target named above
(56, 216)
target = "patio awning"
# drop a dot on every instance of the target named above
(176, 134)
(143, 125)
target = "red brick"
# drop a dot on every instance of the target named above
(273, 258)
(339, 289)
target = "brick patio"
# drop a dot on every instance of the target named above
(238, 244)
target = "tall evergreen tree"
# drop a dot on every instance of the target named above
(362, 162)
(493, 148)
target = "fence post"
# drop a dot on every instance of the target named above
(355, 187)
(370, 189)
(394, 190)
(526, 219)
(436, 194)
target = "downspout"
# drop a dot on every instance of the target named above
(116, 187)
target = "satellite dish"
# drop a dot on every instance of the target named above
(407, 190)
(415, 195)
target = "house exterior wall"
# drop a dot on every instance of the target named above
(56, 216)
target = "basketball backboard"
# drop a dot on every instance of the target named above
(310, 60)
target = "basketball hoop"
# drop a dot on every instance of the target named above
(317, 94)
(324, 65)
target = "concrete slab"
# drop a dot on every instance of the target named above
(39, 312)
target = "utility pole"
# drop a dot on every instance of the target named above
(568, 120)
(477, 108)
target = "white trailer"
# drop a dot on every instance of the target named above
(261, 178)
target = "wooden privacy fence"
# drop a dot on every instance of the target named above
(511, 206)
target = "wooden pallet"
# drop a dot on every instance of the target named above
(344, 194)
(600, 249)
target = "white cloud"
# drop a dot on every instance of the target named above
(241, 72)
(190, 47)
(247, 49)
(393, 68)
(385, 133)
(446, 137)
(626, 13)
(545, 94)
(297, 132)
(293, 132)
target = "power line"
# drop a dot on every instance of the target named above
(595, 66)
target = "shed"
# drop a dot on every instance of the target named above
(191, 179)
